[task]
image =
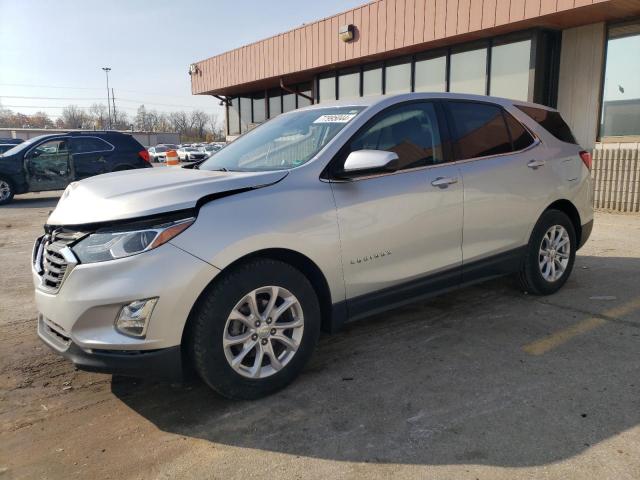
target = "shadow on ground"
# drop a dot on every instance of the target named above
(442, 382)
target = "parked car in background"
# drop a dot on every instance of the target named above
(190, 154)
(158, 153)
(170, 146)
(6, 146)
(51, 162)
(322, 215)
(209, 150)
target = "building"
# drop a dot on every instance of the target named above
(580, 56)
(148, 139)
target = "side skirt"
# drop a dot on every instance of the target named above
(429, 286)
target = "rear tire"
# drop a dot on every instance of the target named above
(6, 191)
(224, 325)
(550, 254)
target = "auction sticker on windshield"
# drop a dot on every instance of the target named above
(339, 118)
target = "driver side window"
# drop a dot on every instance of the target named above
(49, 159)
(411, 131)
(53, 149)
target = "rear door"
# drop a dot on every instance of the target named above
(48, 165)
(400, 232)
(506, 183)
(89, 156)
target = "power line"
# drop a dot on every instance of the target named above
(129, 100)
(92, 88)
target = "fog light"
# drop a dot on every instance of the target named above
(134, 318)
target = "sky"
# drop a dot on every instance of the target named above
(57, 48)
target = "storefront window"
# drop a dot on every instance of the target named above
(349, 84)
(275, 105)
(469, 72)
(398, 77)
(306, 89)
(372, 80)
(259, 113)
(327, 89)
(288, 102)
(621, 96)
(510, 70)
(431, 74)
(233, 127)
(245, 113)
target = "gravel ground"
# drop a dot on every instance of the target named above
(482, 383)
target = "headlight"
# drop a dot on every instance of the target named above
(111, 244)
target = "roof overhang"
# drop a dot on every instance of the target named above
(297, 55)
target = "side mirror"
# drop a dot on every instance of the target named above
(370, 161)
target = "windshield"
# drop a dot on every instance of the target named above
(161, 149)
(24, 145)
(285, 142)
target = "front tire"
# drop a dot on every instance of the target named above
(550, 256)
(252, 332)
(6, 191)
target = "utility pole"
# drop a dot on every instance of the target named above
(113, 100)
(106, 71)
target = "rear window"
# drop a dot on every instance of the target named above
(551, 121)
(480, 130)
(520, 137)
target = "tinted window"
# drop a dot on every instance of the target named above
(372, 81)
(306, 89)
(327, 89)
(411, 131)
(431, 75)
(245, 113)
(275, 104)
(349, 85)
(82, 145)
(398, 77)
(519, 136)
(621, 95)
(480, 130)
(233, 110)
(551, 121)
(259, 113)
(288, 102)
(510, 70)
(469, 72)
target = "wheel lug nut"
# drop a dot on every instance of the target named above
(257, 323)
(264, 341)
(254, 337)
(273, 331)
(269, 320)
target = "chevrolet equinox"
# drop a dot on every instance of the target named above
(330, 213)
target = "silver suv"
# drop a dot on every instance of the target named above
(322, 215)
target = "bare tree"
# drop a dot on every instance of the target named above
(99, 116)
(179, 122)
(74, 117)
(216, 127)
(199, 121)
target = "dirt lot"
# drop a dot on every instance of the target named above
(483, 383)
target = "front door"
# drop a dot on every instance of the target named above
(401, 232)
(48, 166)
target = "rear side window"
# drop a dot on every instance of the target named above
(410, 130)
(519, 136)
(90, 144)
(480, 130)
(551, 121)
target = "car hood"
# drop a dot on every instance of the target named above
(139, 193)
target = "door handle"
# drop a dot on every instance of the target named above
(535, 164)
(444, 182)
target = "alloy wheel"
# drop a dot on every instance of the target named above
(263, 332)
(554, 253)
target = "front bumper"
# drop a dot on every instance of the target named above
(85, 307)
(164, 363)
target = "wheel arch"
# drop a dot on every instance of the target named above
(297, 260)
(568, 208)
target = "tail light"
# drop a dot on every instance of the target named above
(586, 159)
(145, 155)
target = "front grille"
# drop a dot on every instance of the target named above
(52, 261)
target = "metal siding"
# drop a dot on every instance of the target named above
(382, 26)
(464, 10)
(475, 15)
(418, 21)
